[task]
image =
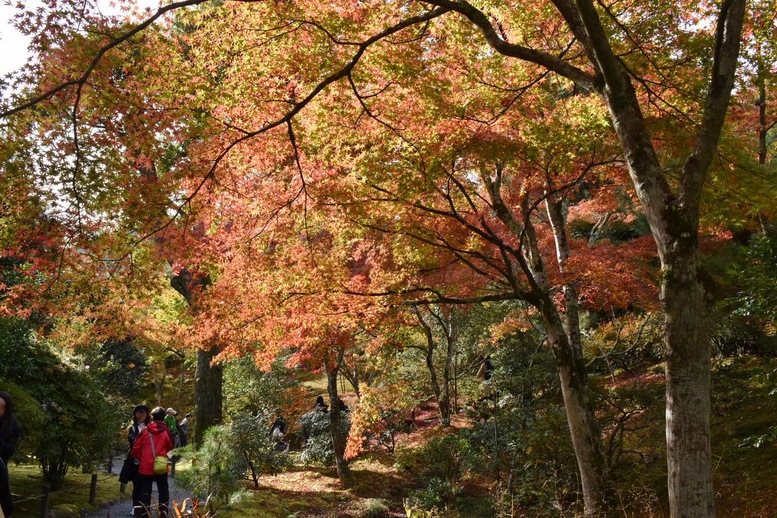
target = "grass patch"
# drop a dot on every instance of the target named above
(69, 501)
(317, 384)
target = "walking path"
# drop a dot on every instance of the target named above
(123, 508)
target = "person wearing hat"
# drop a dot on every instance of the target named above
(172, 424)
(129, 472)
(183, 429)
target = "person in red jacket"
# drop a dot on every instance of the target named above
(142, 450)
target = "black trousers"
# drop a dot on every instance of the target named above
(143, 504)
(6, 500)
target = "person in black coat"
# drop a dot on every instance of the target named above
(129, 472)
(6, 500)
(10, 432)
(341, 404)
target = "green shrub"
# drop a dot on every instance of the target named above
(120, 366)
(438, 498)
(319, 449)
(374, 508)
(382, 414)
(67, 420)
(249, 390)
(80, 424)
(529, 449)
(216, 470)
(446, 458)
(254, 446)
(30, 416)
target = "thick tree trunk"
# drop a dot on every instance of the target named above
(674, 222)
(181, 383)
(687, 390)
(207, 393)
(159, 382)
(208, 380)
(338, 438)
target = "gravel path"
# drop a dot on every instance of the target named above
(123, 508)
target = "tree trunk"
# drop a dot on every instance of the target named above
(338, 438)
(687, 390)
(674, 223)
(565, 346)
(583, 427)
(763, 125)
(436, 389)
(441, 390)
(181, 383)
(207, 393)
(445, 390)
(159, 383)
(208, 379)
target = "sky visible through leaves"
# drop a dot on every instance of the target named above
(13, 45)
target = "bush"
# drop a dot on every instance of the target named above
(521, 440)
(438, 498)
(381, 415)
(216, 470)
(443, 461)
(17, 349)
(67, 420)
(757, 298)
(447, 457)
(80, 424)
(374, 508)
(319, 449)
(228, 454)
(29, 415)
(529, 450)
(254, 446)
(119, 365)
(629, 342)
(249, 390)
(736, 336)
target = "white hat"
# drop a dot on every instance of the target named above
(171, 410)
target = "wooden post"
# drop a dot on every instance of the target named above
(44, 504)
(93, 489)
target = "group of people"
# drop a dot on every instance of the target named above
(179, 429)
(152, 436)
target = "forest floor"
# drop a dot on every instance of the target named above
(381, 483)
(745, 476)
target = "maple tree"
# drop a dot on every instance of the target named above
(247, 131)
(464, 243)
(448, 329)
